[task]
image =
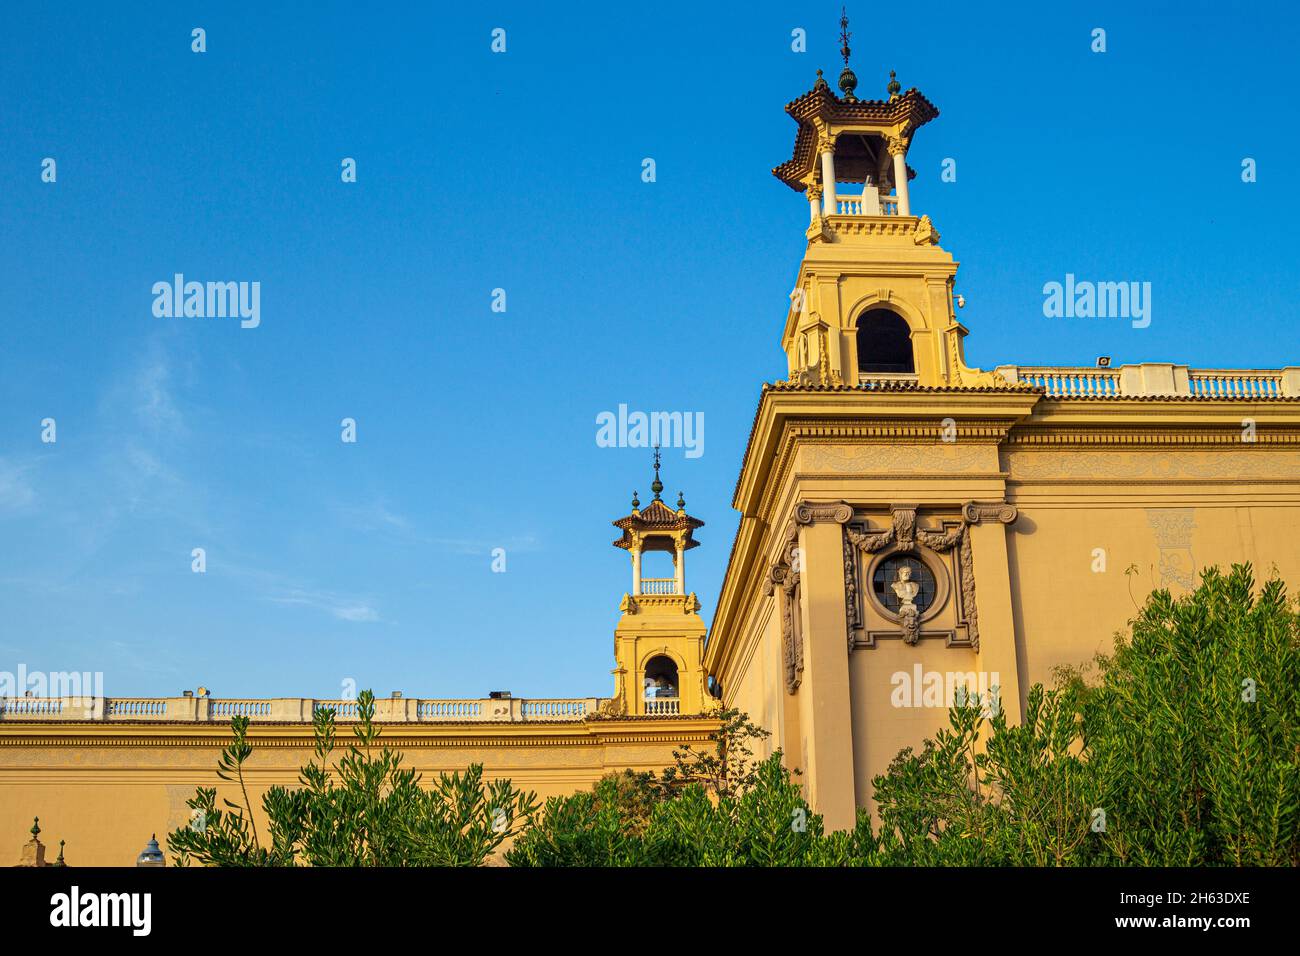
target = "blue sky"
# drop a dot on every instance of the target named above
(372, 561)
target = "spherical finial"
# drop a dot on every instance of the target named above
(60, 861)
(821, 83)
(848, 83)
(636, 502)
(681, 501)
(36, 827)
(656, 486)
(894, 86)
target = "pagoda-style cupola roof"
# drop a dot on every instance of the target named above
(858, 126)
(657, 527)
(651, 522)
(846, 140)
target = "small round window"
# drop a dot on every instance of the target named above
(890, 579)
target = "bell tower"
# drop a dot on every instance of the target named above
(659, 640)
(873, 301)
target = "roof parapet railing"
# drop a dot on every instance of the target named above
(1151, 379)
(299, 710)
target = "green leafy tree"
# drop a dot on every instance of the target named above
(365, 809)
(729, 767)
(1182, 747)
(1184, 751)
(602, 827)
(767, 823)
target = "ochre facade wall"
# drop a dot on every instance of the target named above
(1050, 586)
(1169, 514)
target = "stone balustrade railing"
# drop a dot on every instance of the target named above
(870, 203)
(659, 586)
(1157, 379)
(295, 709)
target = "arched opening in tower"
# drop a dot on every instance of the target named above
(660, 678)
(884, 343)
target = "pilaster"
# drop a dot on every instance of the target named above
(825, 700)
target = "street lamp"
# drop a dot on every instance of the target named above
(151, 855)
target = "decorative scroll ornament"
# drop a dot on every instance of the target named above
(819, 372)
(809, 512)
(783, 577)
(870, 542)
(905, 535)
(977, 511)
(851, 612)
(615, 706)
(926, 234)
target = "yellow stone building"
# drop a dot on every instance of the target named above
(909, 525)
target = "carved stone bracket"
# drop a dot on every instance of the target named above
(810, 512)
(615, 706)
(926, 234)
(976, 512)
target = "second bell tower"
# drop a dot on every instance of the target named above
(659, 640)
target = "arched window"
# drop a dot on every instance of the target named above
(884, 343)
(660, 678)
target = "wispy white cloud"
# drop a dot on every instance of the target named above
(519, 544)
(376, 517)
(373, 516)
(17, 493)
(152, 395)
(343, 607)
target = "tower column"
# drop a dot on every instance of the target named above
(828, 177)
(636, 569)
(680, 567)
(898, 149)
(814, 204)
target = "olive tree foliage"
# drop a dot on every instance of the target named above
(1183, 751)
(364, 809)
(728, 768)
(716, 806)
(1181, 748)
(628, 820)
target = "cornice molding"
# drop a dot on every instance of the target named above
(900, 431)
(1118, 435)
